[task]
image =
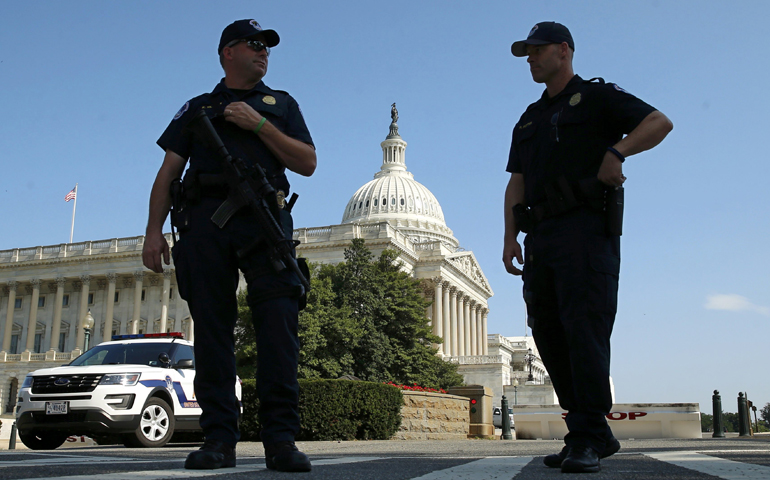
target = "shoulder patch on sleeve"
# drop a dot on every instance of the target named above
(181, 111)
(619, 89)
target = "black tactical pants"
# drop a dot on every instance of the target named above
(207, 273)
(570, 285)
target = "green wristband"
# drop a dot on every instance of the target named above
(261, 122)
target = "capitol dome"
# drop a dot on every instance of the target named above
(395, 197)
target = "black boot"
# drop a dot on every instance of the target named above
(286, 457)
(580, 459)
(213, 454)
(554, 460)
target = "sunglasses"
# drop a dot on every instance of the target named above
(256, 45)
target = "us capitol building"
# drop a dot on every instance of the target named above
(57, 300)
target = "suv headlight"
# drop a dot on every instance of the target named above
(127, 379)
(27, 382)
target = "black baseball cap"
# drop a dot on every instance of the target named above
(246, 29)
(543, 33)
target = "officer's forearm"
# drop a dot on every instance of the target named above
(297, 156)
(514, 194)
(649, 133)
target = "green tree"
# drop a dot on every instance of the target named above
(365, 317)
(706, 422)
(764, 414)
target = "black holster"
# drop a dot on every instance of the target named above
(180, 216)
(613, 207)
(522, 218)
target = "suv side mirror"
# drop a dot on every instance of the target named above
(185, 363)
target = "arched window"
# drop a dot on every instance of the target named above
(375, 202)
(402, 202)
(393, 201)
(367, 204)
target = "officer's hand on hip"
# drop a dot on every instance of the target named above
(155, 245)
(512, 249)
(611, 171)
(241, 114)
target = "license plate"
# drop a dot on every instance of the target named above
(56, 408)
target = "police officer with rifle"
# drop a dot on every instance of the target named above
(231, 214)
(565, 193)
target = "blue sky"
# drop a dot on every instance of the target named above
(88, 87)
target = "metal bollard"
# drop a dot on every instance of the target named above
(506, 420)
(743, 415)
(12, 441)
(716, 402)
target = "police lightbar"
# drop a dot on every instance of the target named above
(132, 336)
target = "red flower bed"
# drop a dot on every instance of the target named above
(415, 388)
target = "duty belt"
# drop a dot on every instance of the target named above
(214, 185)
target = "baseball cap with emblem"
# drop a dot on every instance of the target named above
(249, 29)
(543, 33)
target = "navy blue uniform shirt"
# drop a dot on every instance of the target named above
(569, 134)
(278, 107)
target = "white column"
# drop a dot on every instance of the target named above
(467, 324)
(480, 340)
(167, 273)
(137, 315)
(474, 331)
(446, 318)
(9, 315)
(109, 307)
(32, 323)
(453, 320)
(461, 331)
(82, 311)
(151, 302)
(179, 311)
(438, 321)
(484, 311)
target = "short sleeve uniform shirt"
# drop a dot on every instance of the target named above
(568, 135)
(278, 107)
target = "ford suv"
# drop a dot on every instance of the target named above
(138, 388)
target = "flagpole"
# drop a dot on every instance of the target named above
(72, 230)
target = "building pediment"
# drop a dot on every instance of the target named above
(466, 263)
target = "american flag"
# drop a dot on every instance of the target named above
(71, 196)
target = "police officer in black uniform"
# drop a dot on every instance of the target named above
(566, 162)
(257, 124)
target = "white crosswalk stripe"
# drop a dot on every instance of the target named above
(487, 468)
(718, 467)
(502, 467)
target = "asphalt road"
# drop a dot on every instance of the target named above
(707, 458)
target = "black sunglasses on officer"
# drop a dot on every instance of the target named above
(255, 45)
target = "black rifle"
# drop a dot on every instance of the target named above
(248, 187)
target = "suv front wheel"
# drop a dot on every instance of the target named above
(42, 440)
(156, 425)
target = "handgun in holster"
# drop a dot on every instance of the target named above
(613, 208)
(522, 217)
(180, 217)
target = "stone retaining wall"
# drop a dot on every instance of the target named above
(433, 416)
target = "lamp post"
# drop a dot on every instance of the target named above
(515, 391)
(529, 358)
(88, 324)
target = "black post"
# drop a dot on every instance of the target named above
(12, 441)
(716, 402)
(743, 415)
(506, 420)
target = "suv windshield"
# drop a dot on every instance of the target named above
(124, 353)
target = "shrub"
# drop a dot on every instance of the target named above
(334, 410)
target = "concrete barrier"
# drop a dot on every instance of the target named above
(433, 416)
(627, 420)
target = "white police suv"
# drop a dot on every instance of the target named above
(138, 388)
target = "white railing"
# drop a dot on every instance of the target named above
(475, 359)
